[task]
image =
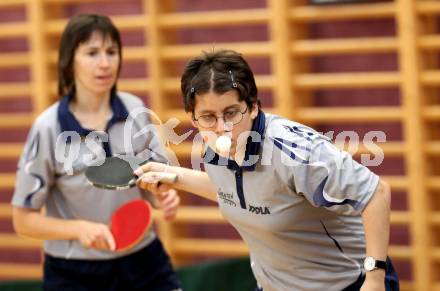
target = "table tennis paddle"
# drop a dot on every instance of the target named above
(129, 223)
(116, 173)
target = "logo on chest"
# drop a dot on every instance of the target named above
(227, 198)
(262, 210)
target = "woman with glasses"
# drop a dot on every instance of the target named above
(312, 217)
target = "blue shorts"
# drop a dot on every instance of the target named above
(147, 269)
(391, 280)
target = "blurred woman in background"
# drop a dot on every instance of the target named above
(78, 243)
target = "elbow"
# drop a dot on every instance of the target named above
(16, 222)
(380, 200)
(19, 218)
(385, 193)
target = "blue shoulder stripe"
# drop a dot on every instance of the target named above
(285, 146)
(30, 156)
(319, 199)
(300, 132)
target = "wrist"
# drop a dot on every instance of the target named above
(376, 274)
(371, 264)
(77, 229)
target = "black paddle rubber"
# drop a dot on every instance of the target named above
(115, 173)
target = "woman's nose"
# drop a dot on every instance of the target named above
(104, 61)
(222, 126)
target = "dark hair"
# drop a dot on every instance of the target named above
(78, 30)
(219, 71)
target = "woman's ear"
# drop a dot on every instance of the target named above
(254, 111)
(191, 118)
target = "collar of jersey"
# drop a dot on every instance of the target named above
(252, 148)
(68, 122)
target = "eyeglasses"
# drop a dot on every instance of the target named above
(233, 116)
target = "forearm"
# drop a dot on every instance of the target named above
(376, 220)
(34, 224)
(196, 182)
(188, 180)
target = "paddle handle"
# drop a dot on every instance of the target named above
(163, 177)
(166, 177)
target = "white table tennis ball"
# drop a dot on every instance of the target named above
(223, 143)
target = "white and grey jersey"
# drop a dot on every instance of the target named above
(296, 202)
(51, 170)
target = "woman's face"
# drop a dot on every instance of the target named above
(211, 105)
(95, 65)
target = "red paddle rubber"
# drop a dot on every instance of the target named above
(129, 223)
